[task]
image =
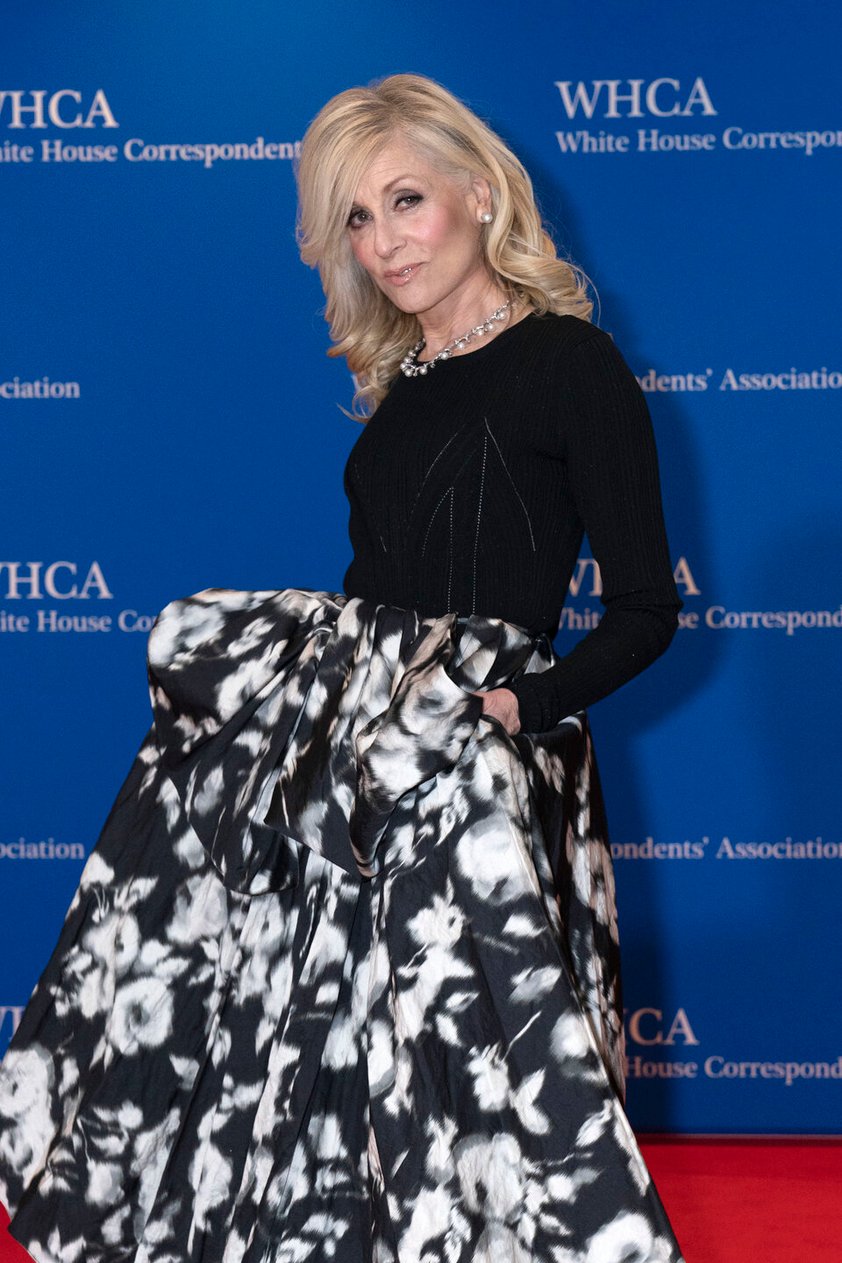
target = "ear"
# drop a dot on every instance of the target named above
(480, 194)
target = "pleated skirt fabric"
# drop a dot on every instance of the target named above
(341, 977)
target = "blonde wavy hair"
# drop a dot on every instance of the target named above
(337, 148)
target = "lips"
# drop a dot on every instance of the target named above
(400, 276)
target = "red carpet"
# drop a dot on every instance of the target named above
(730, 1201)
(752, 1199)
(10, 1251)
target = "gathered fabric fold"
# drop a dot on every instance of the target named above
(312, 714)
(341, 977)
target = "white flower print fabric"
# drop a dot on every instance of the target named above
(341, 977)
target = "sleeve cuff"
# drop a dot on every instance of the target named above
(528, 691)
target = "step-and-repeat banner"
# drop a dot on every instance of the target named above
(169, 421)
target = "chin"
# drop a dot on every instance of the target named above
(406, 301)
(414, 305)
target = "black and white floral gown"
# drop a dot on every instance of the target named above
(340, 980)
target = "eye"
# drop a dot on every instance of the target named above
(359, 217)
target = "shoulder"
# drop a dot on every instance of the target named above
(561, 330)
(579, 355)
(565, 334)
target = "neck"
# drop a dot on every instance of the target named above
(459, 313)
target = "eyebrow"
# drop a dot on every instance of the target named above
(392, 183)
(388, 187)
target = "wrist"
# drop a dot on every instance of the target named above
(530, 710)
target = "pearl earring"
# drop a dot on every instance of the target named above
(486, 217)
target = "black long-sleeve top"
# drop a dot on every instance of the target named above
(471, 488)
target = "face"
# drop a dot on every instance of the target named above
(417, 232)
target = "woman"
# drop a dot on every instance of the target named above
(340, 980)
(421, 221)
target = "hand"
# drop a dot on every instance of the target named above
(502, 705)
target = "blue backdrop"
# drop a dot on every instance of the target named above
(169, 422)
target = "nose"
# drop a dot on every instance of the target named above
(387, 238)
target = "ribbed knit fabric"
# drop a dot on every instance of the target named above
(471, 488)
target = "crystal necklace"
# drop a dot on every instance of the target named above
(410, 368)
